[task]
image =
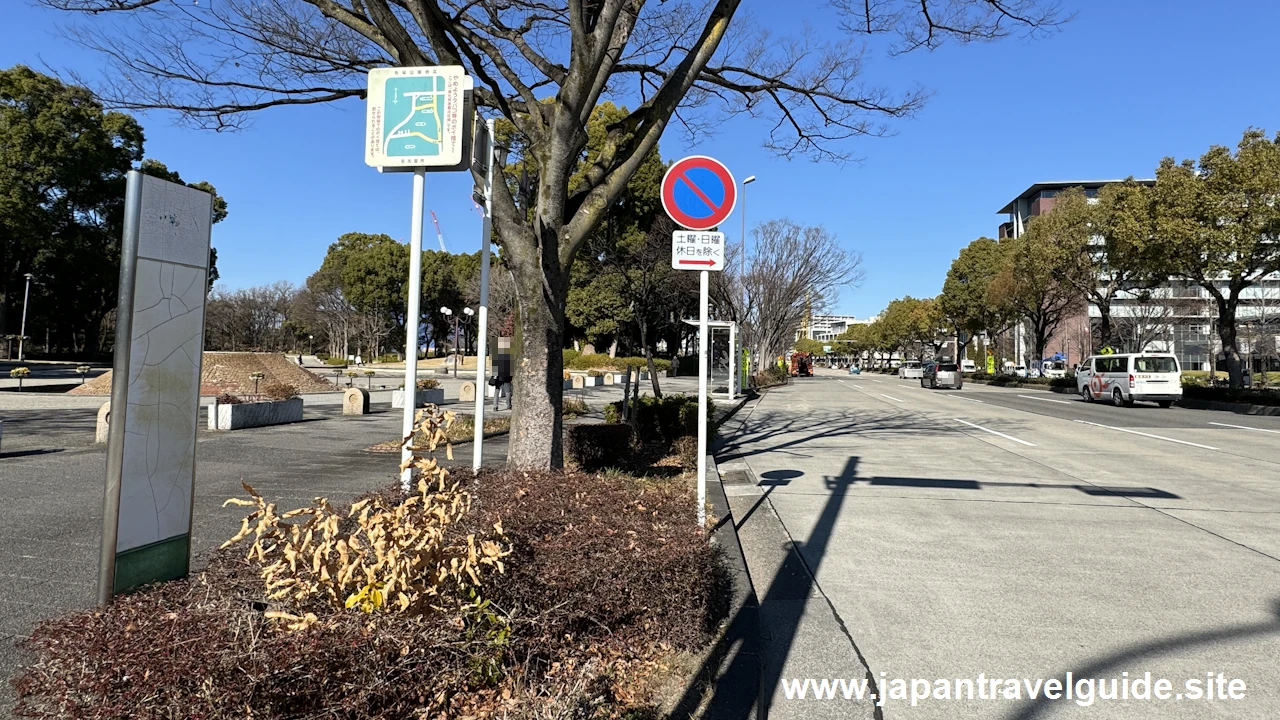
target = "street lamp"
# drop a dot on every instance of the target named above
(750, 179)
(311, 341)
(22, 335)
(449, 313)
(468, 314)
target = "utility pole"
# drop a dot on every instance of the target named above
(750, 179)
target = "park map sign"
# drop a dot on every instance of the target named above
(415, 117)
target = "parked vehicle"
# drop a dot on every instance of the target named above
(911, 369)
(942, 374)
(801, 365)
(855, 370)
(968, 366)
(1130, 377)
(1053, 369)
(1017, 370)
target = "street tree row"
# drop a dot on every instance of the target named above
(1212, 223)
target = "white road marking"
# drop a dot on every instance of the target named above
(993, 432)
(891, 397)
(1032, 397)
(859, 387)
(961, 397)
(1157, 437)
(1246, 427)
(906, 386)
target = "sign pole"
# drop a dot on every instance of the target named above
(703, 292)
(733, 361)
(411, 323)
(482, 333)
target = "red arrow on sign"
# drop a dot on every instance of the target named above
(697, 262)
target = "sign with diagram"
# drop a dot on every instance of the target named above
(416, 117)
(697, 250)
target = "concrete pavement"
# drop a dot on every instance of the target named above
(942, 534)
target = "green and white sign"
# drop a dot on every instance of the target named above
(155, 385)
(415, 117)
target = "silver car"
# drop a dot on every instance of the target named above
(942, 374)
(910, 369)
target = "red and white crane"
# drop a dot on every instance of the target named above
(439, 233)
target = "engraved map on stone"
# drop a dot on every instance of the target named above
(164, 364)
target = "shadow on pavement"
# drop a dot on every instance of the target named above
(1111, 664)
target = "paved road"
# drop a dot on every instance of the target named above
(1020, 534)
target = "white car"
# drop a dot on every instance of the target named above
(911, 369)
(1054, 369)
(1020, 370)
(1124, 379)
(968, 366)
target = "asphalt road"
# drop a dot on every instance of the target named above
(1014, 533)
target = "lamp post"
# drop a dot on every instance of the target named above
(467, 315)
(449, 313)
(26, 296)
(749, 179)
(311, 341)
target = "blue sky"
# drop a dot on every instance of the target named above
(1121, 86)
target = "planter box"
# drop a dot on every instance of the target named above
(589, 381)
(421, 399)
(254, 414)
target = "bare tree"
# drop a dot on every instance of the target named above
(544, 66)
(791, 270)
(250, 319)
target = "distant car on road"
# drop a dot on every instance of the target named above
(1131, 377)
(967, 365)
(1019, 370)
(855, 370)
(910, 369)
(1053, 369)
(942, 374)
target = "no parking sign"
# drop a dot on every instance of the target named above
(699, 192)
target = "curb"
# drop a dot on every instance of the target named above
(736, 665)
(1238, 408)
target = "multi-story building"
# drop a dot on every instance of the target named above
(1176, 316)
(825, 328)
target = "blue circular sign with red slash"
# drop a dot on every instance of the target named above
(699, 192)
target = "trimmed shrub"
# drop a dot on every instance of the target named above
(569, 355)
(280, 391)
(1221, 394)
(228, 399)
(594, 360)
(591, 447)
(594, 373)
(335, 361)
(428, 383)
(663, 420)
(1063, 382)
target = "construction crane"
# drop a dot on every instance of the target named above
(439, 233)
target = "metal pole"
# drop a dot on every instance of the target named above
(482, 350)
(733, 360)
(411, 322)
(702, 396)
(455, 347)
(26, 295)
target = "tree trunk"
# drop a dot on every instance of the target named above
(1104, 321)
(648, 357)
(1230, 343)
(537, 400)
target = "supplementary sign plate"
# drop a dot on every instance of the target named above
(697, 250)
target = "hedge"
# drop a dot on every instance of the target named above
(601, 361)
(1221, 394)
(591, 447)
(664, 420)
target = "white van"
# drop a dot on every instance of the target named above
(968, 366)
(1124, 379)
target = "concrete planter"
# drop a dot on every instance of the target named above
(421, 399)
(254, 414)
(590, 381)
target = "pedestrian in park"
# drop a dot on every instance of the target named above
(502, 373)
